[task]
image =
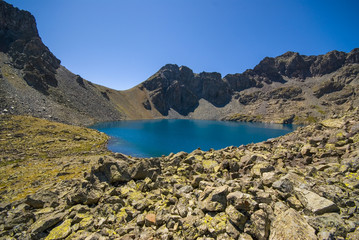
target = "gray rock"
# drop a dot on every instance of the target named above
(45, 223)
(213, 199)
(182, 208)
(40, 199)
(110, 170)
(238, 218)
(314, 202)
(146, 168)
(232, 231)
(331, 222)
(260, 225)
(268, 178)
(283, 185)
(290, 225)
(260, 168)
(353, 235)
(242, 201)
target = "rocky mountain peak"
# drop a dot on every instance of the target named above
(353, 56)
(20, 40)
(15, 24)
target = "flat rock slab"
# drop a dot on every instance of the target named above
(290, 225)
(333, 123)
(314, 202)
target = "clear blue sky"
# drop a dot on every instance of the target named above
(120, 43)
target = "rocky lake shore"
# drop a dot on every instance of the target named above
(303, 185)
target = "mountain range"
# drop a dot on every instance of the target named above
(290, 88)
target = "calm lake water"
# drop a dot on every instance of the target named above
(152, 138)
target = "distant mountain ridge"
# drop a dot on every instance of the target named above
(290, 88)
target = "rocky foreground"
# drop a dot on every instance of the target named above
(304, 185)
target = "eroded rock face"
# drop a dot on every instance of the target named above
(180, 89)
(20, 39)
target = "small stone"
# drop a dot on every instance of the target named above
(150, 219)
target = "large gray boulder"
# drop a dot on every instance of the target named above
(290, 225)
(213, 199)
(315, 203)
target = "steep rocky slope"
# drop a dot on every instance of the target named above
(303, 185)
(288, 88)
(33, 82)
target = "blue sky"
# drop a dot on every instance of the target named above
(120, 43)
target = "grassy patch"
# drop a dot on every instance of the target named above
(35, 152)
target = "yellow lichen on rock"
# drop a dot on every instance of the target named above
(61, 231)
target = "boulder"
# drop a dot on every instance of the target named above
(283, 185)
(242, 201)
(146, 168)
(290, 225)
(268, 178)
(333, 123)
(110, 170)
(260, 225)
(45, 223)
(330, 222)
(150, 219)
(315, 203)
(213, 199)
(61, 231)
(42, 198)
(236, 217)
(260, 168)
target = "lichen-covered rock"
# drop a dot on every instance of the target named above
(331, 222)
(260, 168)
(45, 223)
(333, 123)
(260, 225)
(353, 235)
(213, 199)
(242, 201)
(236, 217)
(290, 225)
(61, 231)
(110, 170)
(146, 168)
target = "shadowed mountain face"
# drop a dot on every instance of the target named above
(180, 89)
(288, 88)
(21, 41)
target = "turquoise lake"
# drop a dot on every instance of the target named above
(153, 138)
